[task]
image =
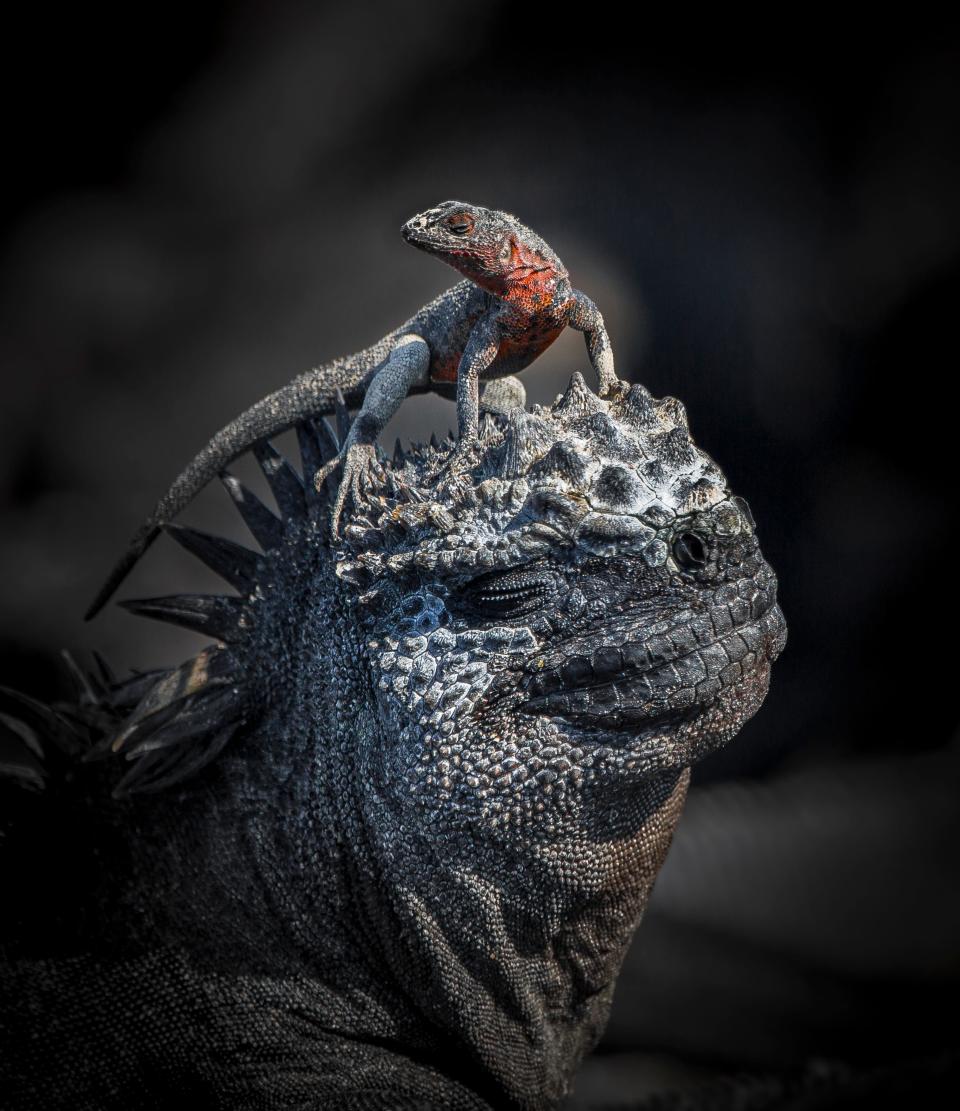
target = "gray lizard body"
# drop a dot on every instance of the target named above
(516, 299)
(385, 841)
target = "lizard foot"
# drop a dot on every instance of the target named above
(354, 457)
(610, 388)
(461, 460)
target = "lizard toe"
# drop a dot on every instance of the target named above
(611, 388)
(461, 460)
(355, 459)
(324, 472)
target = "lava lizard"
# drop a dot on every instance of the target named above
(515, 300)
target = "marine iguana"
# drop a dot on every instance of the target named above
(385, 841)
(515, 300)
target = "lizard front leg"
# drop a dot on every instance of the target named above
(584, 316)
(480, 352)
(407, 365)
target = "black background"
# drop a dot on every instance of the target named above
(201, 203)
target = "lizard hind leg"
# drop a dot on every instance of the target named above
(503, 394)
(407, 366)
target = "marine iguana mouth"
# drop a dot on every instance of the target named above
(672, 674)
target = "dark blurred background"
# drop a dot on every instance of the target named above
(200, 203)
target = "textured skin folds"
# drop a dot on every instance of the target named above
(385, 843)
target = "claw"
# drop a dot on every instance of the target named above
(324, 472)
(462, 459)
(354, 458)
(612, 388)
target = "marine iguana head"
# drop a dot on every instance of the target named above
(477, 707)
(491, 248)
(590, 609)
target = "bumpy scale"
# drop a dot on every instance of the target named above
(384, 843)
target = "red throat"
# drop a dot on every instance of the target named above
(531, 280)
(525, 278)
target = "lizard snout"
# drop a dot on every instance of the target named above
(413, 226)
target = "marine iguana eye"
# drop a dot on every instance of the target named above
(508, 593)
(460, 223)
(690, 551)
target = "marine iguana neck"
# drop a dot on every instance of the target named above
(427, 942)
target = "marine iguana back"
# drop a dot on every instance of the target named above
(384, 843)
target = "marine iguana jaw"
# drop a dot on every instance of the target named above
(673, 674)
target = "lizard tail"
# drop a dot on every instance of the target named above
(308, 395)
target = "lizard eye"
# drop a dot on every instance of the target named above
(461, 223)
(690, 551)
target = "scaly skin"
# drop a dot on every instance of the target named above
(408, 810)
(515, 301)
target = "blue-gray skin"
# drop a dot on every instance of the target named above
(515, 301)
(444, 754)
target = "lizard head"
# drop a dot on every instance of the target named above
(491, 248)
